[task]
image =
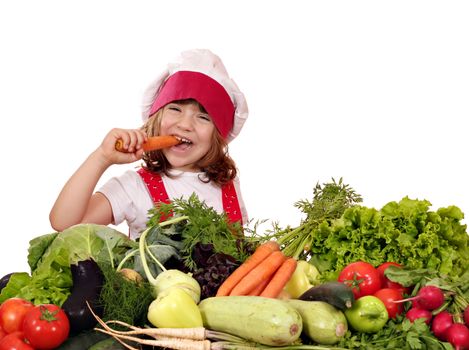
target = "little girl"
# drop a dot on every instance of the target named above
(194, 100)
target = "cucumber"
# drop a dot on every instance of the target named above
(322, 322)
(262, 320)
(335, 293)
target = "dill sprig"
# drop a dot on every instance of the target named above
(124, 300)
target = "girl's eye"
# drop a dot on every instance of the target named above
(205, 117)
(174, 108)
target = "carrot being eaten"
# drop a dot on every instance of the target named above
(153, 143)
(259, 255)
(263, 271)
(280, 279)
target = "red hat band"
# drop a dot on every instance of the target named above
(205, 90)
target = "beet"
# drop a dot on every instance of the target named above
(441, 323)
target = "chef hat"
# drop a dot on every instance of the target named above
(199, 74)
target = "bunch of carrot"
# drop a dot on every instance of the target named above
(265, 273)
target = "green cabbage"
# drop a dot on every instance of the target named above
(50, 257)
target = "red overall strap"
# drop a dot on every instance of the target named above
(231, 203)
(158, 193)
(155, 186)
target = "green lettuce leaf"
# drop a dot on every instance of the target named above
(406, 232)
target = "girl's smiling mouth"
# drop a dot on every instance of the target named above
(184, 144)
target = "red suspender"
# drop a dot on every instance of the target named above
(231, 203)
(155, 185)
(158, 194)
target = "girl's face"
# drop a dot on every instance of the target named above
(194, 127)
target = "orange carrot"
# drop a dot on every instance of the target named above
(263, 271)
(260, 287)
(280, 279)
(260, 254)
(153, 143)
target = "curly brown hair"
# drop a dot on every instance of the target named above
(217, 165)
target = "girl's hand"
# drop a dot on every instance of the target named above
(132, 140)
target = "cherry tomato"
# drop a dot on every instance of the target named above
(12, 312)
(2, 333)
(14, 341)
(46, 326)
(386, 282)
(389, 297)
(362, 277)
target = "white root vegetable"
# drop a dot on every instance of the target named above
(170, 342)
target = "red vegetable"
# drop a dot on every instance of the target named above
(12, 312)
(428, 298)
(458, 336)
(441, 323)
(389, 297)
(362, 277)
(415, 313)
(14, 341)
(46, 326)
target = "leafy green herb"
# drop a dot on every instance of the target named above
(124, 300)
(203, 225)
(398, 334)
(329, 201)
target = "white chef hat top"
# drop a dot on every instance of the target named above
(201, 75)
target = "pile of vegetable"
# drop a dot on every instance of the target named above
(348, 277)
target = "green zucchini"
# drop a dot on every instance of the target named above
(262, 320)
(322, 322)
(335, 293)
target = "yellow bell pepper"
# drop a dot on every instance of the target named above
(305, 276)
(174, 308)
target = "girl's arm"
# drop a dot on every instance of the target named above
(76, 202)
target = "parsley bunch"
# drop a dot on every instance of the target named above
(398, 334)
(202, 225)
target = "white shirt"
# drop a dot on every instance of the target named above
(130, 200)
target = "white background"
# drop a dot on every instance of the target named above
(375, 92)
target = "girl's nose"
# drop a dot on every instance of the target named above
(185, 122)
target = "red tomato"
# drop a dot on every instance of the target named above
(46, 326)
(388, 296)
(14, 341)
(2, 333)
(12, 312)
(386, 282)
(362, 277)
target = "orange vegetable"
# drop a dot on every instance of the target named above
(260, 287)
(280, 279)
(259, 255)
(263, 271)
(153, 143)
